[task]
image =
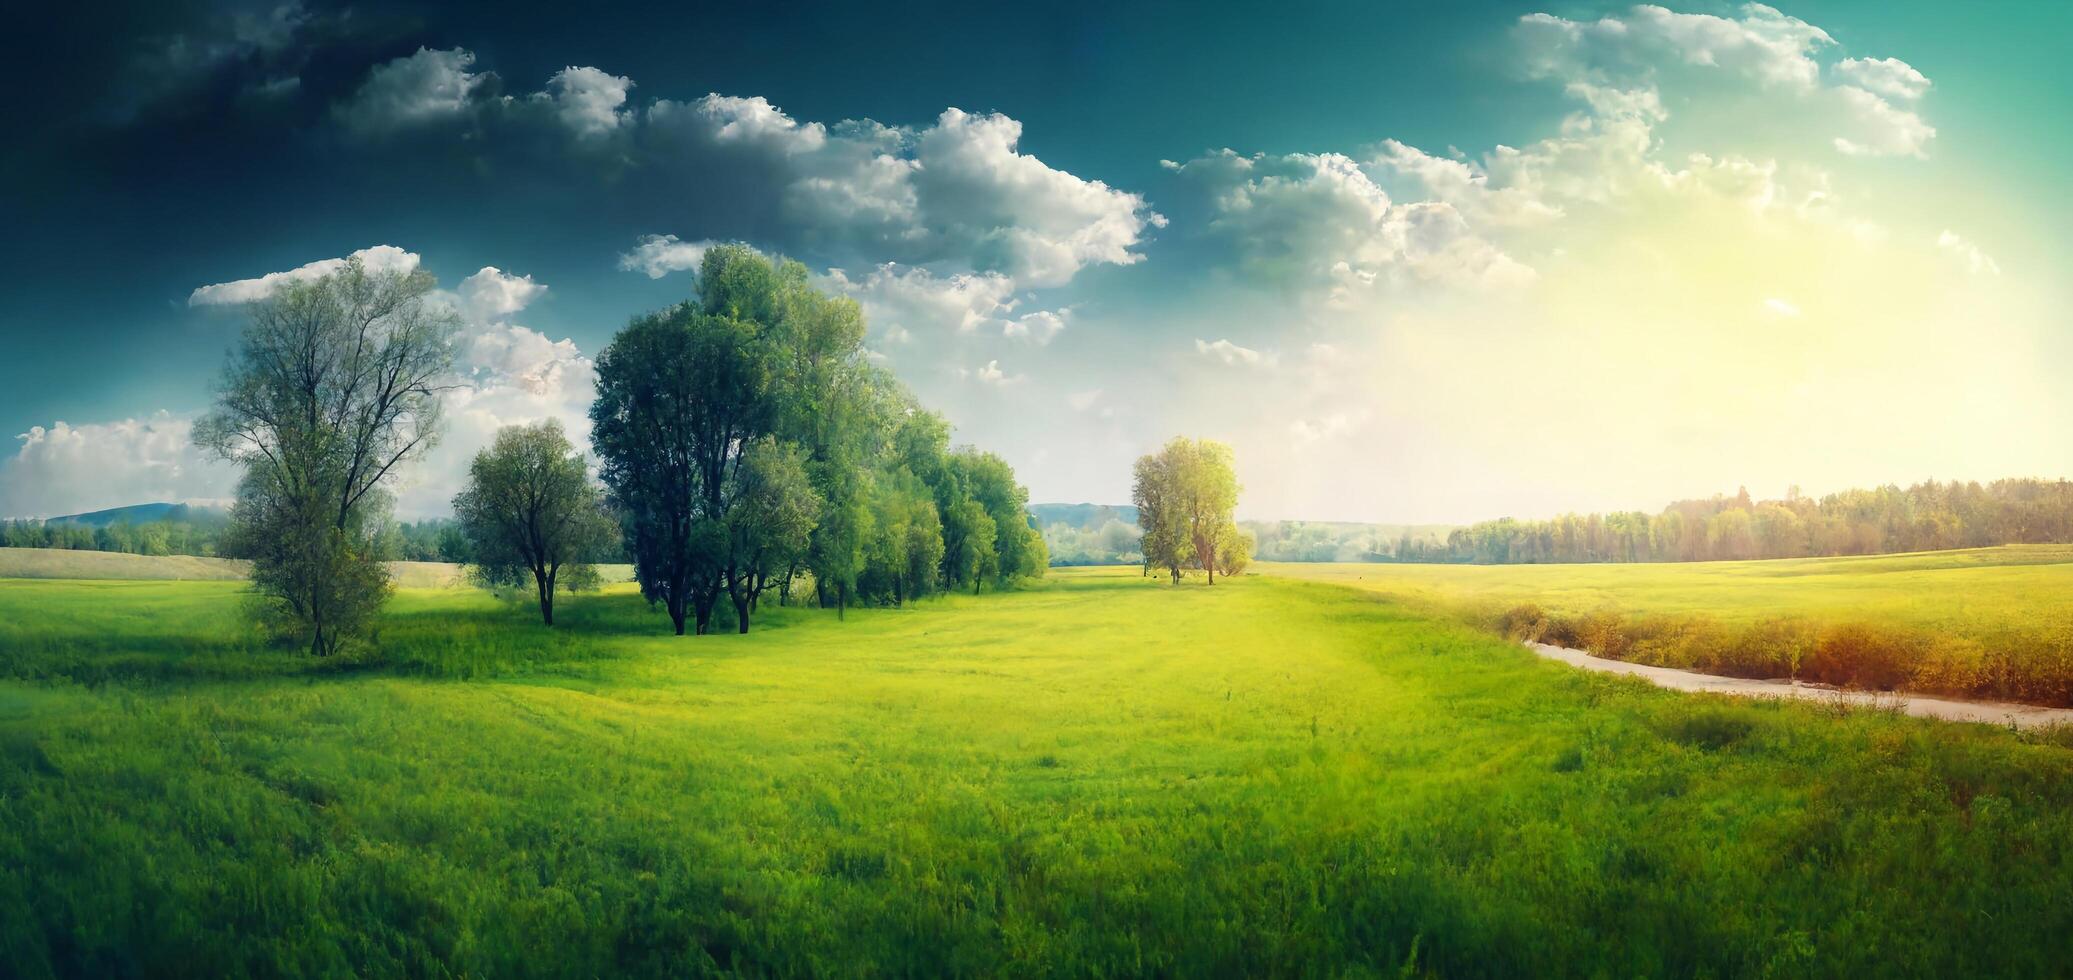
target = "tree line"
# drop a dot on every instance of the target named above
(745, 448)
(1928, 516)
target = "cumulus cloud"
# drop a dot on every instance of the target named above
(1038, 327)
(414, 90)
(1877, 127)
(492, 293)
(587, 100)
(508, 374)
(69, 469)
(990, 373)
(1889, 77)
(660, 255)
(1763, 44)
(1976, 261)
(1318, 218)
(903, 299)
(380, 258)
(1645, 47)
(1231, 354)
(957, 191)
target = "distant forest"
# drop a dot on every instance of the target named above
(1100, 534)
(1928, 516)
(199, 531)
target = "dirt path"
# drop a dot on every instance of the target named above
(1948, 709)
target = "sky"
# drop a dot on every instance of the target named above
(1416, 262)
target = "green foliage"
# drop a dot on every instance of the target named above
(530, 511)
(1267, 778)
(1185, 494)
(334, 384)
(764, 359)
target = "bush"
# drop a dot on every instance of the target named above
(1861, 655)
(1603, 633)
(1525, 622)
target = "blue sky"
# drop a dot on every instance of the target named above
(1419, 262)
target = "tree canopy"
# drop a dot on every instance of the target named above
(1186, 494)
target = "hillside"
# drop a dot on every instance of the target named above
(145, 514)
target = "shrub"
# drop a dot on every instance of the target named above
(1602, 632)
(1526, 622)
(1951, 665)
(1861, 655)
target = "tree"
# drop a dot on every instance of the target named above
(1233, 550)
(771, 522)
(680, 392)
(1185, 496)
(530, 507)
(1155, 496)
(335, 383)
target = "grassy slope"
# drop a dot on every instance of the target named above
(1098, 775)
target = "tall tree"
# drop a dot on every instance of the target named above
(1185, 495)
(530, 507)
(334, 384)
(680, 394)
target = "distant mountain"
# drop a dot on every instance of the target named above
(1082, 516)
(145, 514)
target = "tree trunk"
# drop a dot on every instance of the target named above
(676, 613)
(741, 613)
(841, 600)
(544, 585)
(703, 607)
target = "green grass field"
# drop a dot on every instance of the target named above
(1988, 622)
(1097, 775)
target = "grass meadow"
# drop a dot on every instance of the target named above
(1986, 622)
(1098, 775)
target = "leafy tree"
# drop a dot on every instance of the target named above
(334, 384)
(770, 523)
(1234, 548)
(530, 507)
(1185, 495)
(680, 392)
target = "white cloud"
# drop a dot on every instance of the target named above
(380, 258)
(1890, 77)
(587, 100)
(1976, 261)
(1231, 354)
(1780, 308)
(413, 90)
(959, 191)
(660, 255)
(1081, 401)
(1038, 327)
(492, 293)
(1880, 128)
(990, 373)
(1650, 46)
(901, 300)
(1319, 219)
(1763, 45)
(68, 469)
